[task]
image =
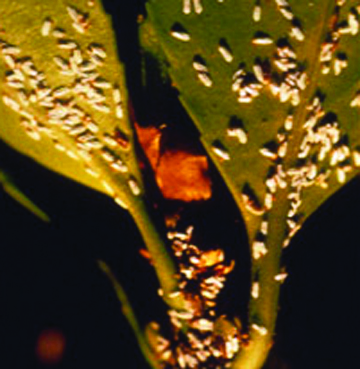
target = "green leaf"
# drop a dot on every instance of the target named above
(273, 89)
(63, 95)
(227, 30)
(12, 190)
(63, 102)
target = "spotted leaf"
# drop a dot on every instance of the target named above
(273, 89)
(63, 96)
(271, 103)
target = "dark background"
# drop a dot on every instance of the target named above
(49, 276)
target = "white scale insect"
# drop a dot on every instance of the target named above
(12, 104)
(353, 23)
(239, 133)
(58, 33)
(289, 121)
(251, 205)
(356, 157)
(180, 34)
(134, 187)
(355, 102)
(225, 51)
(262, 40)
(46, 27)
(256, 13)
(118, 200)
(67, 44)
(10, 50)
(119, 166)
(259, 249)
(259, 73)
(339, 65)
(281, 277)
(297, 33)
(264, 227)
(221, 152)
(196, 4)
(286, 12)
(107, 186)
(267, 153)
(92, 172)
(259, 329)
(340, 175)
(268, 203)
(255, 290)
(109, 140)
(80, 22)
(282, 149)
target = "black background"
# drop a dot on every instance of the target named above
(49, 276)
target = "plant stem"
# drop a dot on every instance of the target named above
(12, 190)
(161, 259)
(130, 316)
(263, 310)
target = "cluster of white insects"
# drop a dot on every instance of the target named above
(330, 58)
(206, 344)
(324, 149)
(196, 5)
(65, 113)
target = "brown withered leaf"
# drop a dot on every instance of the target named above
(179, 173)
(149, 139)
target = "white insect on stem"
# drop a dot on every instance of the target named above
(46, 27)
(259, 249)
(356, 157)
(134, 187)
(118, 200)
(289, 121)
(255, 290)
(259, 329)
(281, 277)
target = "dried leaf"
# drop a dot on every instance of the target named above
(179, 173)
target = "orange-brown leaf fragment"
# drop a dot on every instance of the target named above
(179, 173)
(183, 176)
(149, 138)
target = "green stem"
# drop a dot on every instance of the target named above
(263, 310)
(13, 191)
(130, 316)
(161, 259)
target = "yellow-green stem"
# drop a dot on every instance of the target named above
(162, 260)
(129, 314)
(263, 310)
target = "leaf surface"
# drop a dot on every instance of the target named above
(63, 96)
(273, 89)
(240, 79)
